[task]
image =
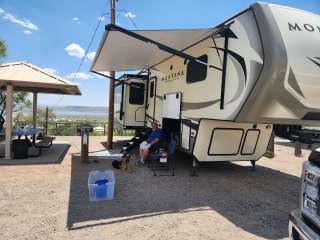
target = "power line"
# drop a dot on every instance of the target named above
(100, 19)
(128, 16)
(89, 45)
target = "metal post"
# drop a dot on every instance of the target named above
(34, 114)
(270, 149)
(84, 147)
(297, 148)
(34, 109)
(111, 86)
(46, 121)
(9, 106)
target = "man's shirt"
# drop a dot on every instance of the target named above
(154, 135)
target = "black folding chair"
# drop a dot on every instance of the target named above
(164, 163)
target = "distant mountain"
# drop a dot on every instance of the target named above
(75, 112)
(81, 109)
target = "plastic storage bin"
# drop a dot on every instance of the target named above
(101, 185)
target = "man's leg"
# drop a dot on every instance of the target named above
(143, 154)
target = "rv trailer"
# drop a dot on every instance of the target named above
(220, 89)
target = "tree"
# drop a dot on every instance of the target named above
(20, 99)
(41, 116)
(3, 49)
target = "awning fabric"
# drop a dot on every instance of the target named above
(27, 77)
(121, 52)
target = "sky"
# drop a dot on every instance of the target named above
(54, 34)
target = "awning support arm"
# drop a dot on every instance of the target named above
(224, 72)
(116, 79)
(113, 27)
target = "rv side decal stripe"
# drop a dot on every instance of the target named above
(190, 124)
(196, 105)
(216, 47)
(294, 83)
(318, 64)
(153, 119)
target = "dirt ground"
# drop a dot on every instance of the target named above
(226, 200)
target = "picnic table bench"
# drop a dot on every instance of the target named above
(45, 142)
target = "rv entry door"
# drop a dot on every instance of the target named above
(171, 105)
(134, 103)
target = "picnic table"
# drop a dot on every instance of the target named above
(45, 141)
(23, 131)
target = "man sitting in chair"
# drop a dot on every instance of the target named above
(151, 143)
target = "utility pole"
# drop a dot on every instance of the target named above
(111, 84)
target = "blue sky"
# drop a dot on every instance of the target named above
(54, 33)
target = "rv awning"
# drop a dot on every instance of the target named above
(27, 77)
(122, 50)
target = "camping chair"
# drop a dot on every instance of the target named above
(154, 152)
(160, 163)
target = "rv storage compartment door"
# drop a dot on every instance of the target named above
(171, 105)
(225, 141)
(229, 141)
(134, 103)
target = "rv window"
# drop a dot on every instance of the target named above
(197, 72)
(136, 93)
(151, 89)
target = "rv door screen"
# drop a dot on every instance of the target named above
(171, 105)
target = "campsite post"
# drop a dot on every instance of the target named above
(111, 87)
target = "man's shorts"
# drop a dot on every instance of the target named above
(144, 145)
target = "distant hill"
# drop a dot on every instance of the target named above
(75, 112)
(81, 109)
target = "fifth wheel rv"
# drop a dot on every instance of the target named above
(220, 89)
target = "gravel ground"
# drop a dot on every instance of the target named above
(226, 200)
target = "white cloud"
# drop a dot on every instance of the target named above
(25, 23)
(76, 19)
(27, 31)
(79, 75)
(129, 15)
(91, 55)
(51, 70)
(75, 50)
(101, 18)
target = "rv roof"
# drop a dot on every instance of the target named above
(119, 51)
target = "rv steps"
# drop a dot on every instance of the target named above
(133, 142)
